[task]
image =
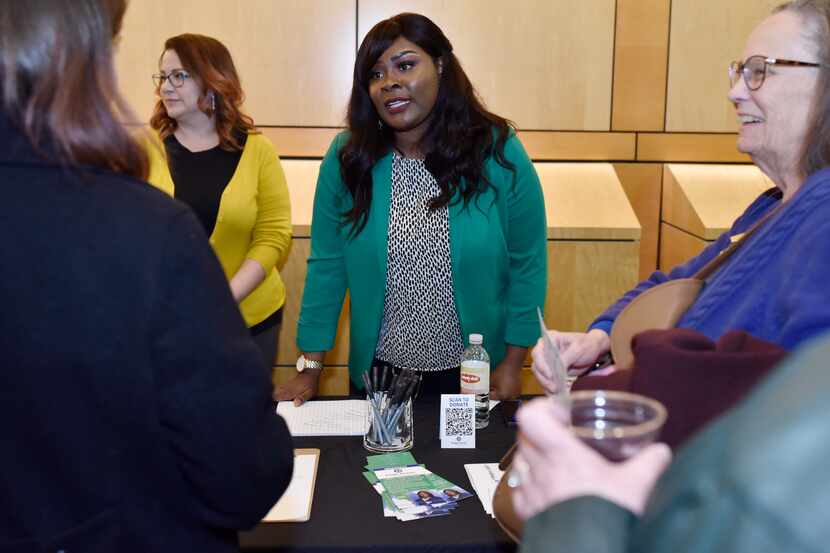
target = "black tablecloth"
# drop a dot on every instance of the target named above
(346, 514)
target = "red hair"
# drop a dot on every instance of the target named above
(209, 61)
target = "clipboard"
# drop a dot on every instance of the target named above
(295, 503)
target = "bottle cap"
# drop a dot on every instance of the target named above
(476, 339)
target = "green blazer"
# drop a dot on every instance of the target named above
(497, 244)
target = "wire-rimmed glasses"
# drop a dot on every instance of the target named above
(754, 69)
(176, 78)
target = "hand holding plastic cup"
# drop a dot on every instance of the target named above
(616, 424)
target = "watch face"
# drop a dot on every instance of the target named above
(300, 364)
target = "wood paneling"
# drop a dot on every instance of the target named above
(295, 57)
(543, 64)
(677, 246)
(585, 201)
(301, 177)
(300, 141)
(683, 147)
(641, 52)
(585, 277)
(642, 183)
(704, 200)
(578, 146)
(705, 36)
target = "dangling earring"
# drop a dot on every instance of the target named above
(212, 103)
(380, 124)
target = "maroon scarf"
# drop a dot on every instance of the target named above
(695, 378)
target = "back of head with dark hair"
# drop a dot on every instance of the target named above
(58, 84)
(816, 17)
(460, 136)
(210, 62)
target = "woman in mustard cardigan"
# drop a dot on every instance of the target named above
(210, 156)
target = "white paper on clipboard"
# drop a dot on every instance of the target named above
(295, 503)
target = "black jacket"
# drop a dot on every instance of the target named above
(135, 413)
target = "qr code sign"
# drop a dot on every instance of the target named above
(459, 422)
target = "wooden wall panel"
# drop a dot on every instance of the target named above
(299, 141)
(295, 57)
(642, 183)
(585, 277)
(677, 246)
(577, 146)
(705, 36)
(641, 52)
(704, 200)
(691, 147)
(585, 201)
(543, 64)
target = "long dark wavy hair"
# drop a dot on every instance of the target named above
(210, 62)
(461, 134)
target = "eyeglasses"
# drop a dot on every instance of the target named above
(754, 69)
(176, 78)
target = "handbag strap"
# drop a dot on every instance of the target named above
(713, 265)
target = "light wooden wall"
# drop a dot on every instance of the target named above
(705, 36)
(609, 71)
(295, 57)
(543, 64)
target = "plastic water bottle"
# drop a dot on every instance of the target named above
(475, 378)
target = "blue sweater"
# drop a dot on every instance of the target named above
(773, 287)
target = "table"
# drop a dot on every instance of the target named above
(346, 514)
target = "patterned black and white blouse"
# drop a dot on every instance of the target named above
(420, 328)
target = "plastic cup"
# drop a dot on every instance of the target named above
(616, 424)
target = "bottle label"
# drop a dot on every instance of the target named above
(475, 377)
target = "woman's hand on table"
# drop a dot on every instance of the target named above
(506, 379)
(299, 389)
(552, 465)
(577, 350)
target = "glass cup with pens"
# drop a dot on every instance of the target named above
(389, 410)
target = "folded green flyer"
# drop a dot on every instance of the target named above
(387, 460)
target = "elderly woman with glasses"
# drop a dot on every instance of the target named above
(209, 155)
(774, 286)
(750, 481)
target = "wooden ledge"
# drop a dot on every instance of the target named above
(704, 200)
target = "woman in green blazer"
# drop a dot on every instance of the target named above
(430, 213)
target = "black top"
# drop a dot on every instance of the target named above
(136, 409)
(200, 178)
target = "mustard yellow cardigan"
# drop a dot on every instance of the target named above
(253, 222)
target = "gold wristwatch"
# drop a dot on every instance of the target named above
(303, 364)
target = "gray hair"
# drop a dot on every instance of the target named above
(816, 17)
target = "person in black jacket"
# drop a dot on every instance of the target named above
(134, 407)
